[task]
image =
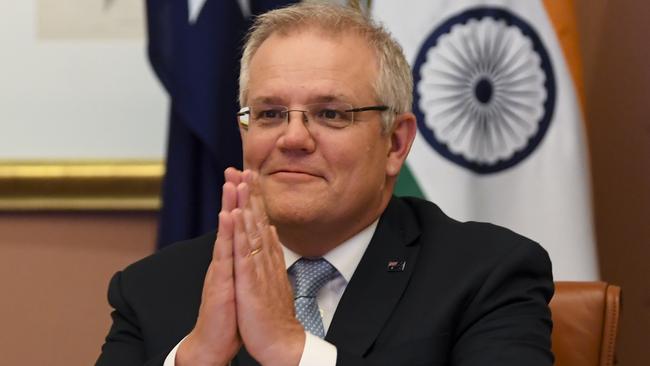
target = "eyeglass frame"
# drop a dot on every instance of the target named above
(246, 110)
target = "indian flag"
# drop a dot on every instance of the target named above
(501, 136)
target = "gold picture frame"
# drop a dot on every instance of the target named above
(80, 185)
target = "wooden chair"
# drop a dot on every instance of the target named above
(585, 323)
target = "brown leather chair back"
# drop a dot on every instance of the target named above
(585, 323)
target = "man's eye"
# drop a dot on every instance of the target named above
(270, 114)
(330, 114)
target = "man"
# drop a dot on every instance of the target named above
(314, 261)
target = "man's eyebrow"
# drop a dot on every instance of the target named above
(328, 98)
(267, 100)
(324, 98)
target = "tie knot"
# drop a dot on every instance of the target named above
(311, 275)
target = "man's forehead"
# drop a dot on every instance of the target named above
(310, 66)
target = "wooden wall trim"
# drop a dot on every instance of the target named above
(80, 185)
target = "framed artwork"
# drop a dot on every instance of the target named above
(83, 118)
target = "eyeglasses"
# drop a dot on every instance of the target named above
(331, 115)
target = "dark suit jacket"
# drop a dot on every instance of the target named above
(470, 294)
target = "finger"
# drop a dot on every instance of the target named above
(270, 260)
(251, 178)
(275, 249)
(228, 197)
(279, 269)
(252, 231)
(255, 200)
(233, 175)
(256, 204)
(243, 195)
(223, 245)
(274, 246)
(241, 246)
(258, 253)
(257, 222)
(219, 277)
(246, 176)
(245, 271)
(260, 218)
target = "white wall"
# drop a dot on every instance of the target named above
(74, 98)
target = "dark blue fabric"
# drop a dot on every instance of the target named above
(198, 64)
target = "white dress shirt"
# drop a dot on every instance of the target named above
(345, 258)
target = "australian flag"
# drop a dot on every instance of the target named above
(194, 48)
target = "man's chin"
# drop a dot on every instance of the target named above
(299, 187)
(287, 209)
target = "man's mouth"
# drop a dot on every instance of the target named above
(295, 175)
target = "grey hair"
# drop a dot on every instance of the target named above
(394, 84)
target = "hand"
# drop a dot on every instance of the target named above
(265, 309)
(215, 339)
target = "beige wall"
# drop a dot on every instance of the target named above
(54, 272)
(54, 267)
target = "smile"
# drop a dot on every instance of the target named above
(294, 175)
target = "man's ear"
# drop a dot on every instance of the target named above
(401, 139)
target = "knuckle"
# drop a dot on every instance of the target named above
(255, 236)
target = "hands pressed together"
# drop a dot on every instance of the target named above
(247, 299)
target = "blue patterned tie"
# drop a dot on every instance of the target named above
(310, 276)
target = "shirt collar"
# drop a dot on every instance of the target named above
(346, 256)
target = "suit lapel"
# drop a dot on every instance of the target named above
(373, 290)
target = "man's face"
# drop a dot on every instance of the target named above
(309, 175)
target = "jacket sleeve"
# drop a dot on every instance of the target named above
(124, 345)
(508, 321)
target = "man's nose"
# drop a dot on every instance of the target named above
(297, 134)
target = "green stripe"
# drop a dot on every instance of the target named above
(406, 184)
